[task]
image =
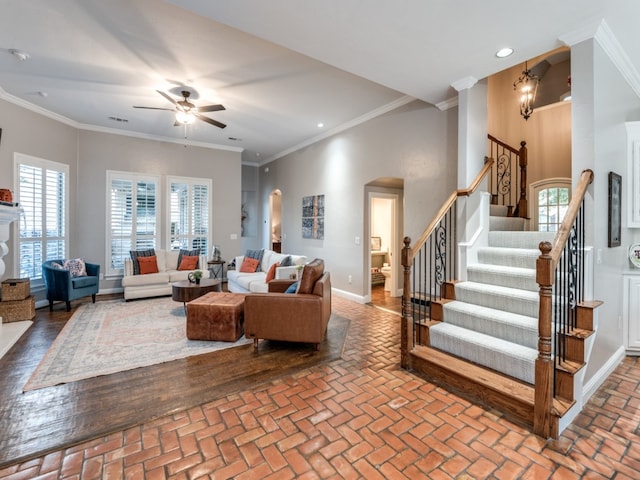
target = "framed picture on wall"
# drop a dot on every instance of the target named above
(376, 244)
(615, 209)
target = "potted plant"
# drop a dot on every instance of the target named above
(195, 276)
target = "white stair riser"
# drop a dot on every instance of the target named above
(525, 305)
(512, 360)
(506, 223)
(509, 257)
(510, 327)
(524, 281)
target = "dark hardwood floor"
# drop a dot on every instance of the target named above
(383, 299)
(39, 421)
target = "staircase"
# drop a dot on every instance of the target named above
(493, 318)
(482, 336)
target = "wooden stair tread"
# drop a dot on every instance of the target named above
(591, 304)
(570, 367)
(580, 333)
(476, 373)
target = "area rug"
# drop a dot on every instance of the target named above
(113, 336)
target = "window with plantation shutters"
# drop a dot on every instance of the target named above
(41, 190)
(133, 216)
(189, 213)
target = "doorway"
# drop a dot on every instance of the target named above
(384, 244)
(275, 214)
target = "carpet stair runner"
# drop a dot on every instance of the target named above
(493, 320)
(482, 340)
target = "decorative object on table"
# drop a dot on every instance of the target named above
(615, 209)
(313, 217)
(634, 254)
(6, 195)
(195, 276)
(216, 254)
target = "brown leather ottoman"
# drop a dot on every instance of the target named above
(216, 316)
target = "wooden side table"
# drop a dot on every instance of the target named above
(216, 267)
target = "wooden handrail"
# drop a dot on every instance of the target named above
(559, 241)
(502, 144)
(488, 162)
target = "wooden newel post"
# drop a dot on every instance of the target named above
(407, 320)
(542, 419)
(522, 202)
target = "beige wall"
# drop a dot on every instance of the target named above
(26, 132)
(417, 143)
(90, 154)
(547, 132)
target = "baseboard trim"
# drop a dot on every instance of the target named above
(349, 296)
(601, 375)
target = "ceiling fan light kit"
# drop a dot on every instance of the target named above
(186, 112)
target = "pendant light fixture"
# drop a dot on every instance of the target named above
(526, 88)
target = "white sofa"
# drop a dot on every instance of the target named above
(157, 284)
(240, 282)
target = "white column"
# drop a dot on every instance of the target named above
(7, 215)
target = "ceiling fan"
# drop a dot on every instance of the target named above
(187, 112)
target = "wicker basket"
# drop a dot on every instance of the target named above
(15, 289)
(17, 310)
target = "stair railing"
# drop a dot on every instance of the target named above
(508, 179)
(560, 271)
(429, 265)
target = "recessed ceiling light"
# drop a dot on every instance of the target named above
(504, 52)
(19, 54)
(320, 125)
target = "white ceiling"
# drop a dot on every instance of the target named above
(278, 66)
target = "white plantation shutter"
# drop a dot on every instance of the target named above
(132, 214)
(42, 193)
(189, 204)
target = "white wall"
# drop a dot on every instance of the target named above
(417, 143)
(602, 103)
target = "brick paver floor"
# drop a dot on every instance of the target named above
(360, 417)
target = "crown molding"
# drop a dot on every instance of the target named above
(112, 131)
(464, 83)
(4, 95)
(614, 50)
(158, 138)
(447, 104)
(345, 126)
(601, 33)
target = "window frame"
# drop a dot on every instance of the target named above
(20, 159)
(190, 182)
(134, 178)
(536, 187)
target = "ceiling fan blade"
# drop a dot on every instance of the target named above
(166, 96)
(210, 120)
(211, 108)
(155, 108)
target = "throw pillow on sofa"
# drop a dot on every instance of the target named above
(148, 265)
(256, 254)
(190, 253)
(249, 265)
(150, 252)
(310, 274)
(188, 262)
(271, 274)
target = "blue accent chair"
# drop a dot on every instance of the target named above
(61, 286)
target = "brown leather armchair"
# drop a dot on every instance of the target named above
(291, 317)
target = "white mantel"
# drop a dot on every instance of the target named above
(7, 215)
